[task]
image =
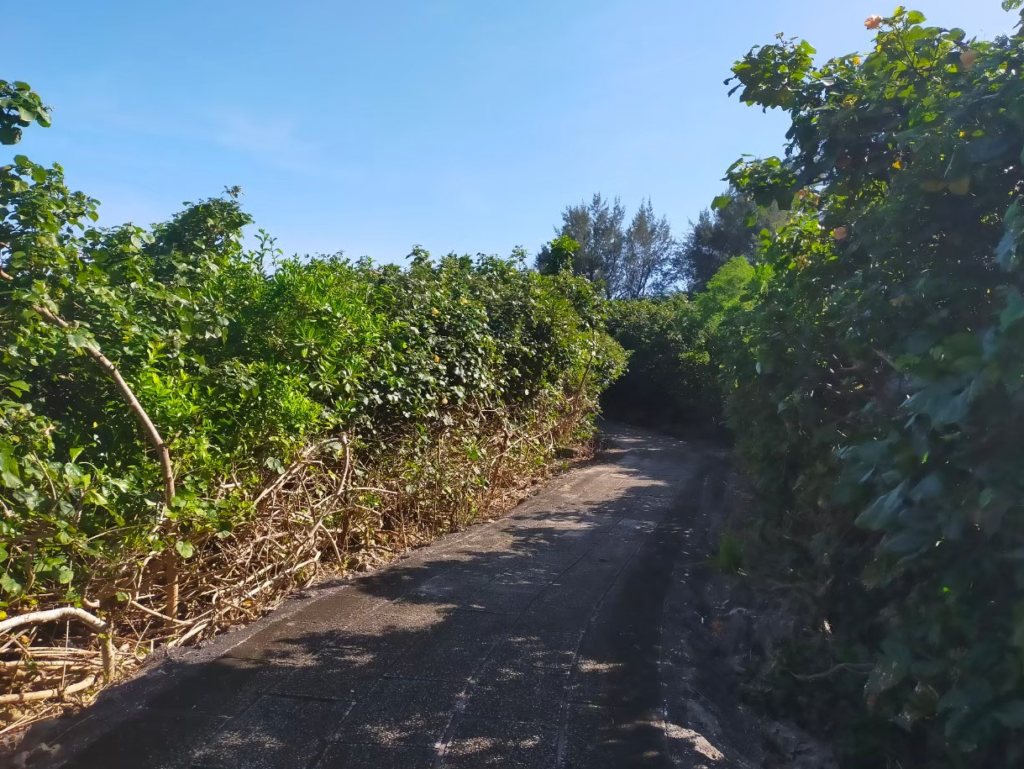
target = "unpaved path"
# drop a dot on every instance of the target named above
(572, 633)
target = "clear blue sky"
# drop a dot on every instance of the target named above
(368, 127)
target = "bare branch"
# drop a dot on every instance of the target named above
(69, 613)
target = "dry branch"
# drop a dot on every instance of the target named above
(47, 694)
(236, 579)
(68, 613)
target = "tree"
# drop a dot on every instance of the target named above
(558, 255)
(631, 263)
(716, 237)
(597, 229)
(647, 255)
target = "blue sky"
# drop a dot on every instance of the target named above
(369, 127)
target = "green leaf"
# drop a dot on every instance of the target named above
(65, 574)
(929, 488)
(7, 460)
(907, 542)
(78, 340)
(721, 202)
(915, 17)
(884, 510)
(944, 403)
(9, 584)
(184, 548)
(75, 452)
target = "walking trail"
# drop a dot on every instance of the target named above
(572, 633)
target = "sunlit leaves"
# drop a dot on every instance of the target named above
(241, 369)
(20, 106)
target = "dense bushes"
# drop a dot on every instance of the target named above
(306, 407)
(873, 378)
(659, 385)
(877, 394)
(676, 345)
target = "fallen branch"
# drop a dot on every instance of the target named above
(191, 633)
(102, 628)
(46, 694)
(864, 668)
(158, 615)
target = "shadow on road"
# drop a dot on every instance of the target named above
(533, 641)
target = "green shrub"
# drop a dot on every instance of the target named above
(876, 388)
(675, 346)
(311, 410)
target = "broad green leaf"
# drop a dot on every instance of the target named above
(907, 543)
(78, 340)
(928, 488)
(883, 511)
(9, 584)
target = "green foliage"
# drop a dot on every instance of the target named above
(729, 556)
(20, 107)
(596, 228)
(657, 384)
(558, 255)
(676, 345)
(732, 228)
(247, 372)
(629, 262)
(875, 389)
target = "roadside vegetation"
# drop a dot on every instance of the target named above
(869, 360)
(188, 429)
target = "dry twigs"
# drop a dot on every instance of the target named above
(309, 518)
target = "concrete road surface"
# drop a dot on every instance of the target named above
(567, 634)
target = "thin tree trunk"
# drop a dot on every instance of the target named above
(170, 562)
